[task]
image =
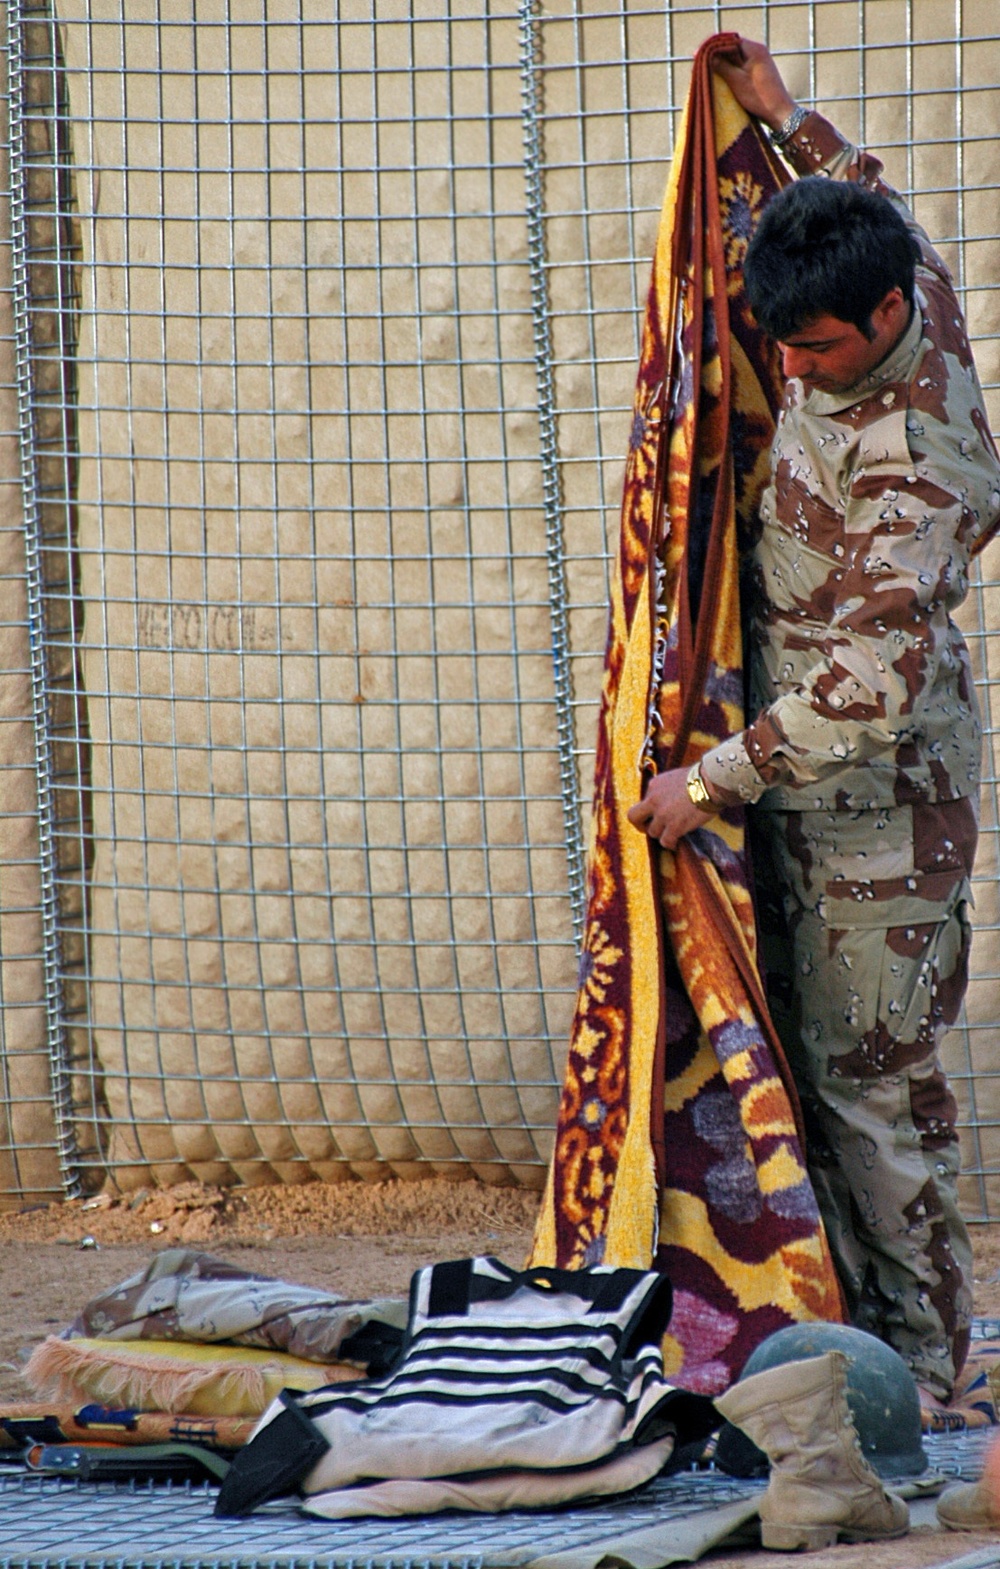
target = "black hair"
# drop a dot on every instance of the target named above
(827, 248)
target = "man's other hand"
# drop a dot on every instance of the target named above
(756, 82)
(666, 811)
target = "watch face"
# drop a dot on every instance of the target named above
(697, 791)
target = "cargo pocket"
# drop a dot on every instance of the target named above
(920, 926)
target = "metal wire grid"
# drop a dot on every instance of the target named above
(10, 1091)
(604, 182)
(43, 1524)
(46, 1522)
(919, 85)
(37, 1144)
(394, 386)
(535, 374)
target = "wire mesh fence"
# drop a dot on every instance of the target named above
(315, 391)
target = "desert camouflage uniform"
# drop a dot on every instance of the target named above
(864, 759)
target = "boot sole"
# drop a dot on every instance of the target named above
(790, 1538)
(984, 1523)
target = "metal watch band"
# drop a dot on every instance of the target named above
(789, 127)
(696, 788)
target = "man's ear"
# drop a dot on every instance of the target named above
(891, 308)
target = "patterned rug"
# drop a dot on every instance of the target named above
(679, 1138)
(976, 1398)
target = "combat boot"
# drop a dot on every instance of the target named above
(969, 1507)
(822, 1488)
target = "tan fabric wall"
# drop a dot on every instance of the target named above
(919, 84)
(314, 648)
(28, 1164)
(331, 933)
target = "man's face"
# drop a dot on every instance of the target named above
(831, 355)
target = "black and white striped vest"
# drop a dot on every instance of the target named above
(513, 1389)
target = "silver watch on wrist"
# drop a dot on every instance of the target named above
(782, 137)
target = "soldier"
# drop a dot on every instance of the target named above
(862, 761)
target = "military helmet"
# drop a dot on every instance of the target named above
(880, 1389)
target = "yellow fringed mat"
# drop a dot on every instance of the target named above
(159, 1375)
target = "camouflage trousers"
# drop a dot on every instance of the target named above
(865, 943)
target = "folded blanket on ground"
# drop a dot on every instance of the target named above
(206, 1380)
(975, 1401)
(24, 1422)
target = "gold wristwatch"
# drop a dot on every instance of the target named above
(696, 790)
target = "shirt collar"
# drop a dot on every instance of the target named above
(896, 366)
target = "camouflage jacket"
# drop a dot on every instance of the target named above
(860, 681)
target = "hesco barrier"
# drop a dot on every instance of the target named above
(318, 338)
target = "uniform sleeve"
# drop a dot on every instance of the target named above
(885, 626)
(817, 147)
(880, 629)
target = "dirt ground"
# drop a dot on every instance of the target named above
(357, 1239)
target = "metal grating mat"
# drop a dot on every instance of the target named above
(45, 1522)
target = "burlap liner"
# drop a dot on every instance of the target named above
(28, 1163)
(331, 931)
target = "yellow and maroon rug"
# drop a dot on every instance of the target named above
(679, 1139)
